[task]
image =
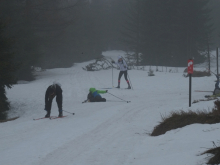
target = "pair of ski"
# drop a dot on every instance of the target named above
(212, 96)
(51, 117)
(208, 96)
(202, 91)
(114, 88)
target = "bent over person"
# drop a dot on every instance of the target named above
(123, 70)
(51, 92)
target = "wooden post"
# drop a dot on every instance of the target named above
(190, 88)
(209, 60)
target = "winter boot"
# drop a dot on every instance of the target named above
(118, 84)
(47, 115)
(129, 87)
(60, 113)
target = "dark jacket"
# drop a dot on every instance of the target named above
(51, 92)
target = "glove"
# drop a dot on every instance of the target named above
(106, 91)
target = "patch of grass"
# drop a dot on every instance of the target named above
(2, 121)
(181, 118)
(216, 158)
(197, 73)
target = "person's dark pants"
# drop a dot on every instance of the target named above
(217, 84)
(125, 75)
(98, 99)
(49, 104)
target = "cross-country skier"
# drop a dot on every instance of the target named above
(123, 70)
(51, 92)
(217, 89)
(94, 95)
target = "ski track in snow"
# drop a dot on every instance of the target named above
(111, 133)
(95, 143)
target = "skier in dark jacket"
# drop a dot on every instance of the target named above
(94, 95)
(51, 92)
(123, 70)
(217, 89)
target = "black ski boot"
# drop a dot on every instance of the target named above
(129, 87)
(47, 115)
(60, 113)
(118, 84)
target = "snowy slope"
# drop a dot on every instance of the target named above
(111, 133)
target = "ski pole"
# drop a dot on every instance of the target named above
(112, 68)
(130, 82)
(68, 112)
(212, 72)
(118, 97)
(112, 75)
(85, 101)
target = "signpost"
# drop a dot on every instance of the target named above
(217, 58)
(190, 72)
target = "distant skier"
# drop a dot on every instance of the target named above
(51, 92)
(217, 89)
(94, 95)
(123, 70)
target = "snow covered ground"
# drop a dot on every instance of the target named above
(111, 133)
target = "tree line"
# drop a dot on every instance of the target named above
(169, 32)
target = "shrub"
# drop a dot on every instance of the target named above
(216, 158)
(182, 118)
(197, 73)
(99, 64)
(7, 69)
(151, 73)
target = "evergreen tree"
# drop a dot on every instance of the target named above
(7, 69)
(20, 27)
(195, 27)
(170, 31)
(132, 29)
(154, 31)
(215, 5)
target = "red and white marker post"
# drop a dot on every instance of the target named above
(190, 72)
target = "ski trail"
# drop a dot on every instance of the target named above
(111, 133)
(99, 142)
